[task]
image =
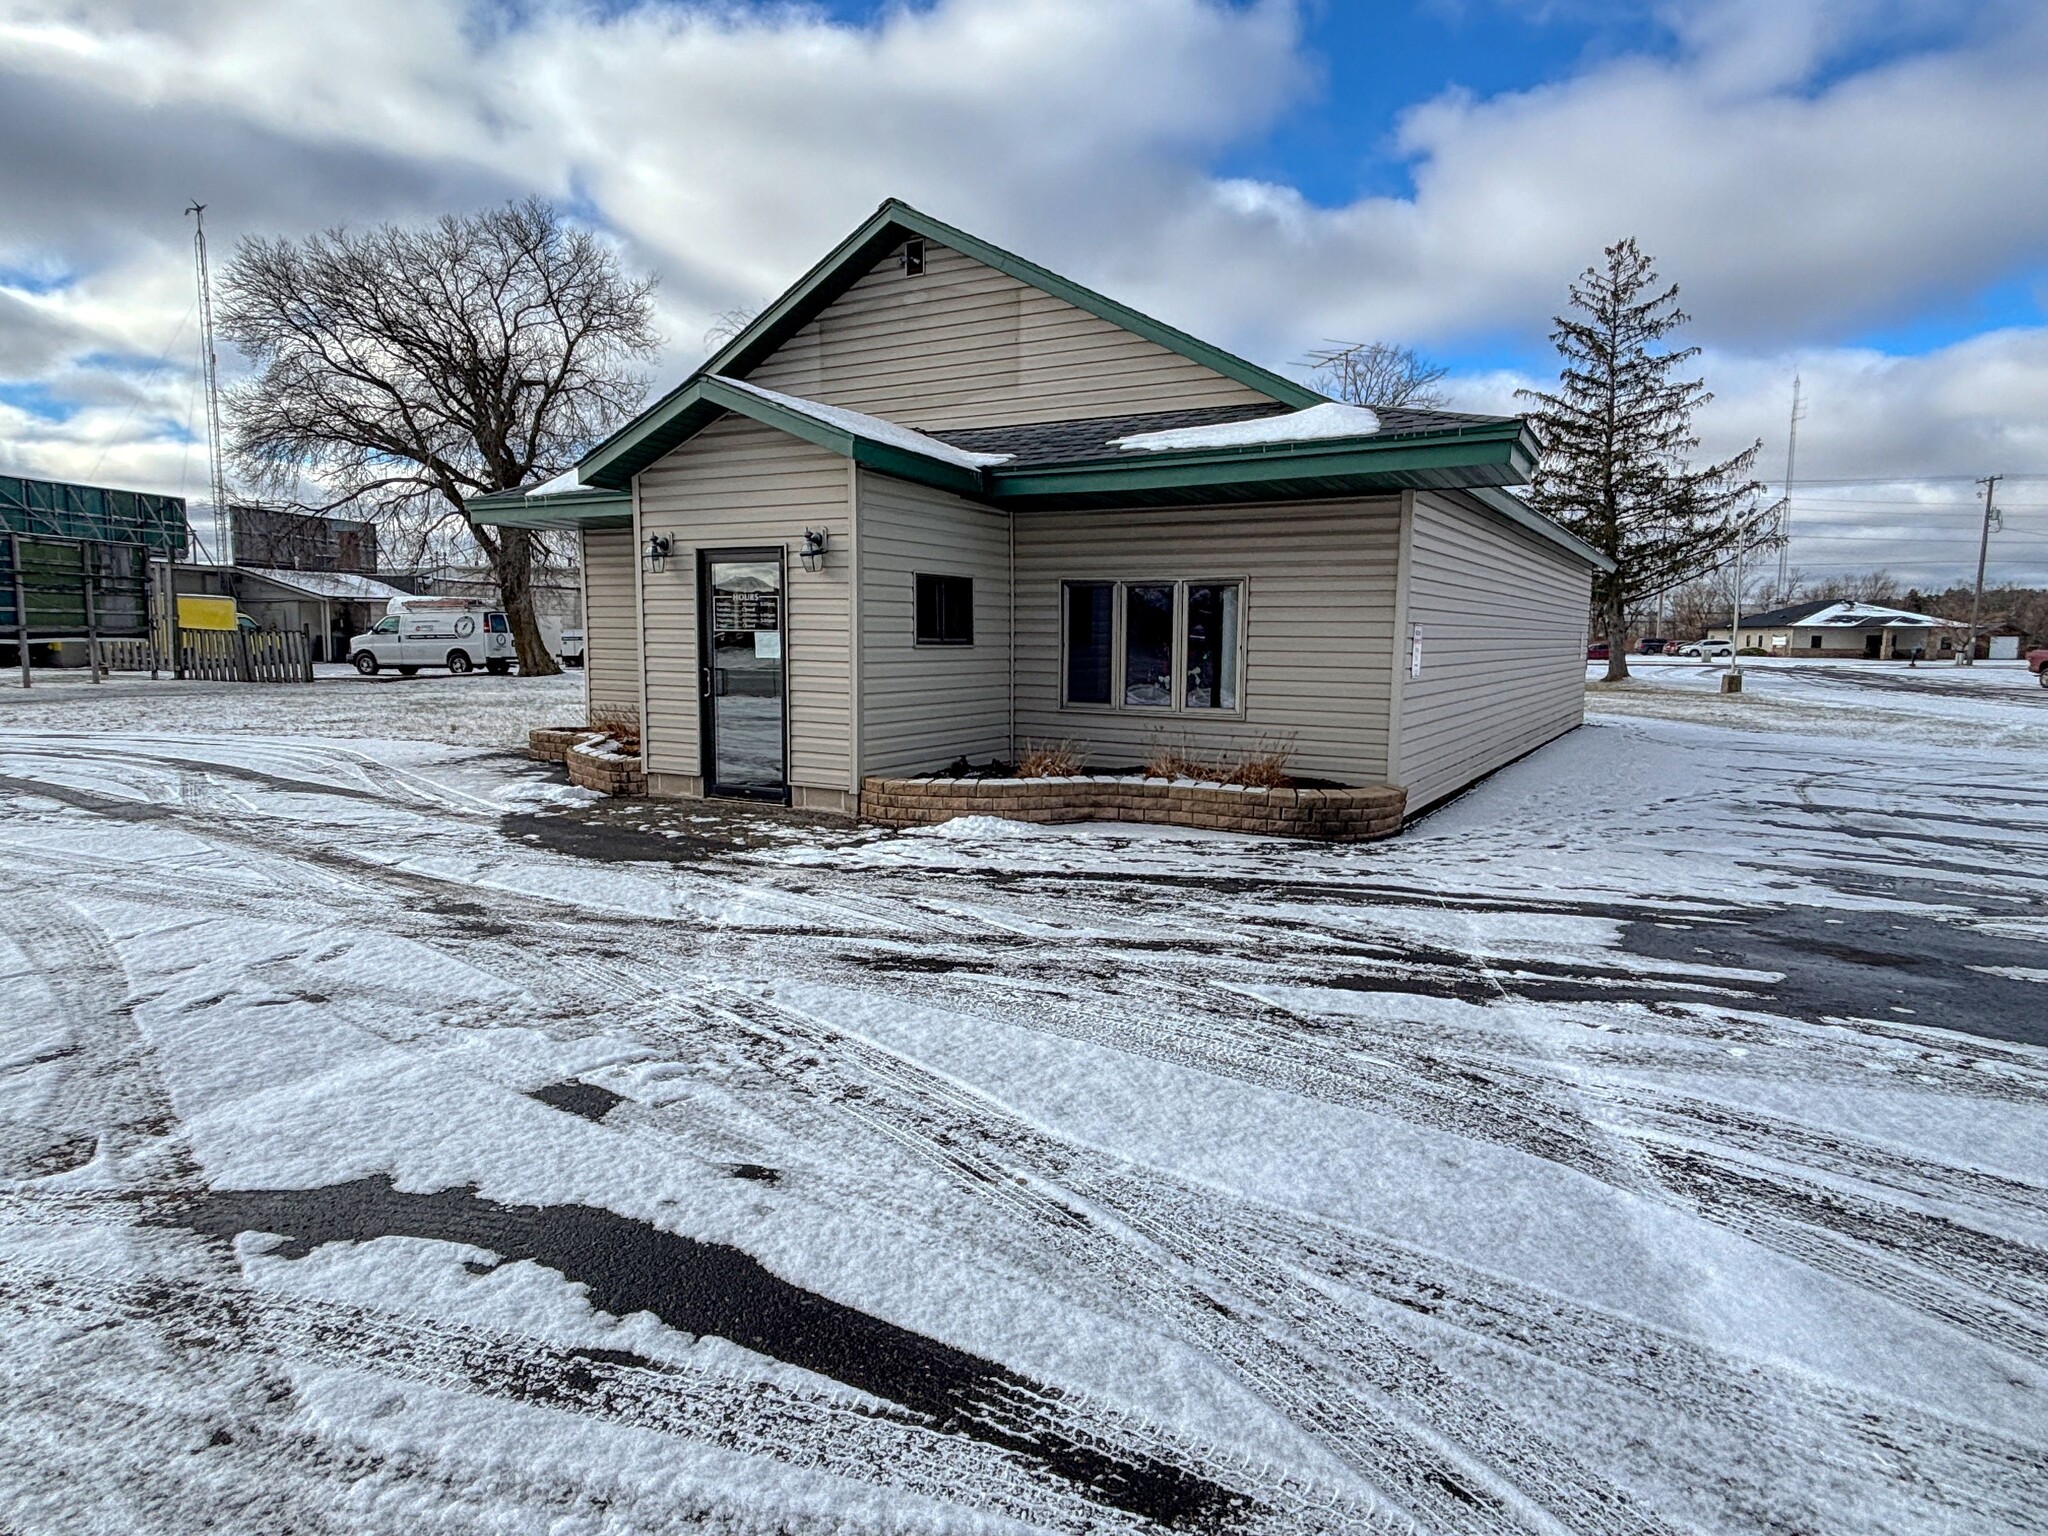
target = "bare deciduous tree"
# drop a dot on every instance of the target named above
(1377, 373)
(1616, 441)
(728, 324)
(404, 370)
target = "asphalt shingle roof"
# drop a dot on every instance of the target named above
(1071, 442)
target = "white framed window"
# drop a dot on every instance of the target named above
(1145, 646)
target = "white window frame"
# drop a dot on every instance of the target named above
(1119, 634)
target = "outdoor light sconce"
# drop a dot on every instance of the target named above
(655, 556)
(813, 552)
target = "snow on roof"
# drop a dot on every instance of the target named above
(1851, 615)
(1328, 420)
(565, 481)
(874, 428)
(345, 586)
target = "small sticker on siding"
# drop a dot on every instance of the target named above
(1415, 650)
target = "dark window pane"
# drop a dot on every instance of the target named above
(1090, 605)
(945, 610)
(1148, 646)
(1212, 645)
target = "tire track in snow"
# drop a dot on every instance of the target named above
(734, 1412)
(1497, 1475)
(105, 1086)
(1882, 1245)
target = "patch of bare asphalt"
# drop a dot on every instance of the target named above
(628, 1266)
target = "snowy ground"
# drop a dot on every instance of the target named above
(393, 1140)
(478, 710)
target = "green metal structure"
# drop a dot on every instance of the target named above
(74, 560)
(50, 509)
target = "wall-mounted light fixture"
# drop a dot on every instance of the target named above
(813, 552)
(655, 556)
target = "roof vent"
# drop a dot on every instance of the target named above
(913, 258)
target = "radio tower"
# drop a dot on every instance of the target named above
(223, 517)
(1785, 511)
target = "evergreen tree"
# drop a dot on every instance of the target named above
(1615, 442)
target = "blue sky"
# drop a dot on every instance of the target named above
(1369, 63)
(1841, 187)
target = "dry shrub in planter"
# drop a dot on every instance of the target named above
(1260, 769)
(1262, 765)
(1174, 761)
(1051, 759)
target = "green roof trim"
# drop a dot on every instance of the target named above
(1516, 510)
(1499, 453)
(567, 509)
(663, 425)
(1476, 460)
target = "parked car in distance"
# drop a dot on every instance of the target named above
(1654, 645)
(1707, 650)
(571, 648)
(1597, 652)
(2037, 663)
(434, 632)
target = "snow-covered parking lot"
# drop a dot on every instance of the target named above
(393, 1140)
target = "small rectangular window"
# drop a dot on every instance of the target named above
(1212, 645)
(1148, 646)
(1091, 607)
(913, 258)
(945, 610)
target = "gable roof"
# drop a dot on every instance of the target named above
(1777, 618)
(1841, 613)
(613, 462)
(1079, 464)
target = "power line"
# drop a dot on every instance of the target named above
(1906, 479)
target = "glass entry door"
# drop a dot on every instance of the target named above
(743, 677)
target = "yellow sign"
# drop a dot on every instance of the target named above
(206, 612)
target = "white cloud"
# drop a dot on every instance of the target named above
(1900, 438)
(728, 147)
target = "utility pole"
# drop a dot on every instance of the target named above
(1785, 516)
(1731, 682)
(1969, 656)
(223, 519)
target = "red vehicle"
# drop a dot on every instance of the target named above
(2037, 663)
(1597, 652)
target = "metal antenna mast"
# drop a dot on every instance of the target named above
(1785, 512)
(223, 518)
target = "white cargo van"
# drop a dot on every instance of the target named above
(452, 632)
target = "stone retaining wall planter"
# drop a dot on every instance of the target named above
(596, 762)
(551, 743)
(1338, 815)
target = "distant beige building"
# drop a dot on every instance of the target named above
(1834, 629)
(937, 502)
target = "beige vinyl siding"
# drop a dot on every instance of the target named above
(1503, 621)
(611, 619)
(1318, 626)
(965, 345)
(922, 706)
(738, 484)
